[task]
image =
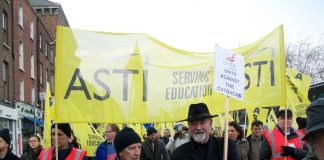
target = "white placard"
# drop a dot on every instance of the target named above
(229, 73)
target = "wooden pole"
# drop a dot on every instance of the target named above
(226, 127)
(56, 142)
(246, 128)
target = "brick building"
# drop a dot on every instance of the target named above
(50, 15)
(8, 115)
(27, 61)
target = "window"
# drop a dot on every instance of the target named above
(46, 76)
(33, 91)
(21, 55)
(21, 16)
(46, 48)
(52, 82)
(41, 74)
(21, 90)
(31, 29)
(40, 41)
(51, 55)
(5, 27)
(6, 80)
(32, 65)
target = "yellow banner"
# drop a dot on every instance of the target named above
(297, 92)
(48, 117)
(272, 120)
(264, 72)
(88, 137)
(134, 78)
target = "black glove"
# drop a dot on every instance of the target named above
(287, 151)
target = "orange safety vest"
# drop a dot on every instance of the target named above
(75, 154)
(301, 132)
(276, 139)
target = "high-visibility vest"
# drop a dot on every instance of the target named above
(75, 154)
(301, 132)
(277, 139)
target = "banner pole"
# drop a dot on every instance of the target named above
(286, 128)
(226, 127)
(56, 142)
(245, 119)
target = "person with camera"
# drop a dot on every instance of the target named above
(180, 137)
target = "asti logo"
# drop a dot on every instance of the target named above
(230, 61)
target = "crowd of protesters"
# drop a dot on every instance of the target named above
(198, 141)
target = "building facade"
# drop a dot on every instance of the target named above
(8, 113)
(27, 61)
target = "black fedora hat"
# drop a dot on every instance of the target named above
(198, 111)
(315, 118)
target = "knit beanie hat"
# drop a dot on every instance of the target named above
(64, 127)
(4, 134)
(281, 113)
(150, 131)
(124, 138)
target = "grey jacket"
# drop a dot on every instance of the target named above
(243, 149)
(160, 152)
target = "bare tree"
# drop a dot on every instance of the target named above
(307, 57)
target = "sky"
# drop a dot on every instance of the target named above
(198, 25)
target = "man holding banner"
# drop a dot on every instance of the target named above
(65, 150)
(202, 146)
(273, 145)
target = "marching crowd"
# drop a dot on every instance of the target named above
(195, 142)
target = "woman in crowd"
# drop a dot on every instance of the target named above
(33, 150)
(235, 133)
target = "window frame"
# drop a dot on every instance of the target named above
(21, 56)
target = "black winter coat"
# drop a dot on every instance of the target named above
(213, 151)
(10, 156)
(31, 155)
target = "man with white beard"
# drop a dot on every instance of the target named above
(202, 146)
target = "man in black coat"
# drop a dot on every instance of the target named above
(153, 148)
(202, 146)
(5, 151)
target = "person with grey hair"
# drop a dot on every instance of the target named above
(202, 146)
(315, 133)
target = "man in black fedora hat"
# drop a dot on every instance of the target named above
(202, 146)
(315, 127)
